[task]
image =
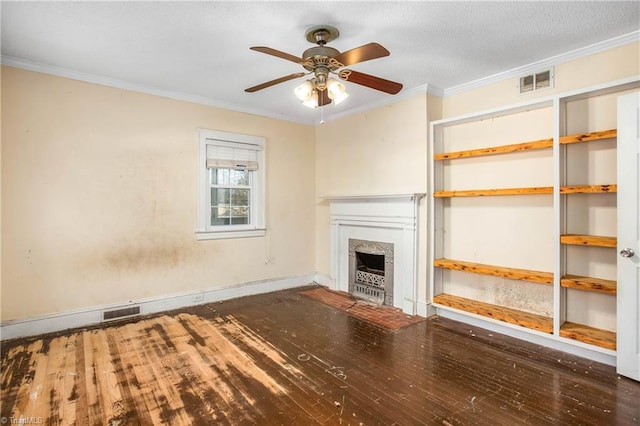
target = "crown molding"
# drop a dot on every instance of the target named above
(136, 87)
(545, 63)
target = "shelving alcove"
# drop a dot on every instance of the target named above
(523, 219)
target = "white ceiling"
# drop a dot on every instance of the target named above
(200, 50)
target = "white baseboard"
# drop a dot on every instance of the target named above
(325, 280)
(425, 309)
(81, 318)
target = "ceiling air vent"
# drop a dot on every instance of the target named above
(536, 81)
(120, 313)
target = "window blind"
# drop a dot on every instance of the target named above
(227, 157)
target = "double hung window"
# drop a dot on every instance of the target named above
(231, 185)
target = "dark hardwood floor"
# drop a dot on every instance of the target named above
(286, 359)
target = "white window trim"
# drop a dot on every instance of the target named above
(204, 231)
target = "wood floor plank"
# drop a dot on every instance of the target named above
(285, 359)
(55, 375)
(99, 409)
(69, 388)
(109, 389)
(16, 363)
(80, 382)
(36, 397)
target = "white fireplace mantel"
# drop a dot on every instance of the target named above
(389, 218)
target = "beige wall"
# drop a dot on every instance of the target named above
(381, 151)
(99, 197)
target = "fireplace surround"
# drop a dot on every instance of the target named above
(378, 224)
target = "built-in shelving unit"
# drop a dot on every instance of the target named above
(492, 298)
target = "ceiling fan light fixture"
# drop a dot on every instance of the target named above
(337, 99)
(304, 91)
(336, 91)
(312, 102)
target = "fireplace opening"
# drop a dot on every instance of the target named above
(371, 271)
(372, 263)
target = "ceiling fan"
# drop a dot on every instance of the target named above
(320, 61)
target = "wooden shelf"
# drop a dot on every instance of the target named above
(497, 271)
(588, 137)
(574, 189)
(597, 285)
(589, 189)
(492, 192)
(589, 240)
(502, 149)
(501, 313)
(593, 336)
(527, 146)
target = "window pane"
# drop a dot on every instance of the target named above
(220, 176)
(220, 215)
(240, 197)
(220, 196)
(239, 215)
(239, 177)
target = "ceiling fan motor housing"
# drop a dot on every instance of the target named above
(319, 56)
(319, 52)
(319, 60)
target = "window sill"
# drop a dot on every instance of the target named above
(220, 235)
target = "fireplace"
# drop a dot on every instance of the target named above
(374, 248)
(371, 271)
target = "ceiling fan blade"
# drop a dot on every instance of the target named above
(274, 82)
(361, 54)
(370, 81)
(277, 53)
(323, 98)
